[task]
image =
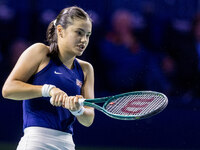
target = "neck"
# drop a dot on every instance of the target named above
(66, 56)
(67, 60)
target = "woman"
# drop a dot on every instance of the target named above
(54, 71)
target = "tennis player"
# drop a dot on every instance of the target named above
(54, 71)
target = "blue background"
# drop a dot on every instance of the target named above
(177, 127)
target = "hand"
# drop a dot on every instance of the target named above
(71, 103)
(57, 96)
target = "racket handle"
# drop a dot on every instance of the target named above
(81, 100)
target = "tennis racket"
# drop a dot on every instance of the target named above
(129, 106)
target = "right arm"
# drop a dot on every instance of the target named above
(30, 62)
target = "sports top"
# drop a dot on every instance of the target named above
(39, 111)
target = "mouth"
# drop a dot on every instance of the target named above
(81, 47)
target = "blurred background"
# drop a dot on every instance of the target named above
(135, 45)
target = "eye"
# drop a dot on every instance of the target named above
(88, 35)
(79, 33)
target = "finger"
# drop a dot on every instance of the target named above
(52, 100)
(55, 99)
(71, 103)
(60, 99)
(79, 96)
(67, 102)
(76, 102)
(64, 99)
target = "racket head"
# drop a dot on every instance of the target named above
(135, 105)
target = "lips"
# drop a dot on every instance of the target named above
(81, 47)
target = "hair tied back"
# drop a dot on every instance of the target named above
(54, 22)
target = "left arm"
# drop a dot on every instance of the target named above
(88, 92)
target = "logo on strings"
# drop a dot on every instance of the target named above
(136, 106)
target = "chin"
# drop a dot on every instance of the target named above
(79, 53)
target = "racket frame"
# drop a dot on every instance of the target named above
(107, 100)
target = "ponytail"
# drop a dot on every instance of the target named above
(52, 39)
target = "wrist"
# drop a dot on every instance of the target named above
(78, 112)
(46, 88)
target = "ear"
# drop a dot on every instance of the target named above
(60, 31)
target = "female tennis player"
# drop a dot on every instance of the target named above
(54, 71)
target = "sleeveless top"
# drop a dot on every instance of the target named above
(39, 111)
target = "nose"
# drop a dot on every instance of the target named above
(84, 39)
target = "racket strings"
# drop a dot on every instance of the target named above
(157, 103)
(135, 104)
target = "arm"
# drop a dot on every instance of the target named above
(88, 92)
(71, 102)
(29, 63)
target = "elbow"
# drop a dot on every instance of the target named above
(5, 92)
(88, 124)
(87, 118)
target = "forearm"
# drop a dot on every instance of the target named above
(18, 90)
(87, 118)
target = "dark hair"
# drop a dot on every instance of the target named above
(65, 17)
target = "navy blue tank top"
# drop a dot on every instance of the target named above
(39, 111)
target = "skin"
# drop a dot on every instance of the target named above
(72, 42)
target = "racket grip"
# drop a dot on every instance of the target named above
(81, 101)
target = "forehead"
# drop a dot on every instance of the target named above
(81, 24)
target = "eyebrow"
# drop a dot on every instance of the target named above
(83, 30)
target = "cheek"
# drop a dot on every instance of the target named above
(71, 40)
(88, 41)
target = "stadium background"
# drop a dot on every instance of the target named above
(163, 28)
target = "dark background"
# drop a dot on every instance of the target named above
(164, 29)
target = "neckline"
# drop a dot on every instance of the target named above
(74, 64)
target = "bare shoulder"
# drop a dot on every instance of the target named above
(39, 48)
(86, 66)
(37, 53)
